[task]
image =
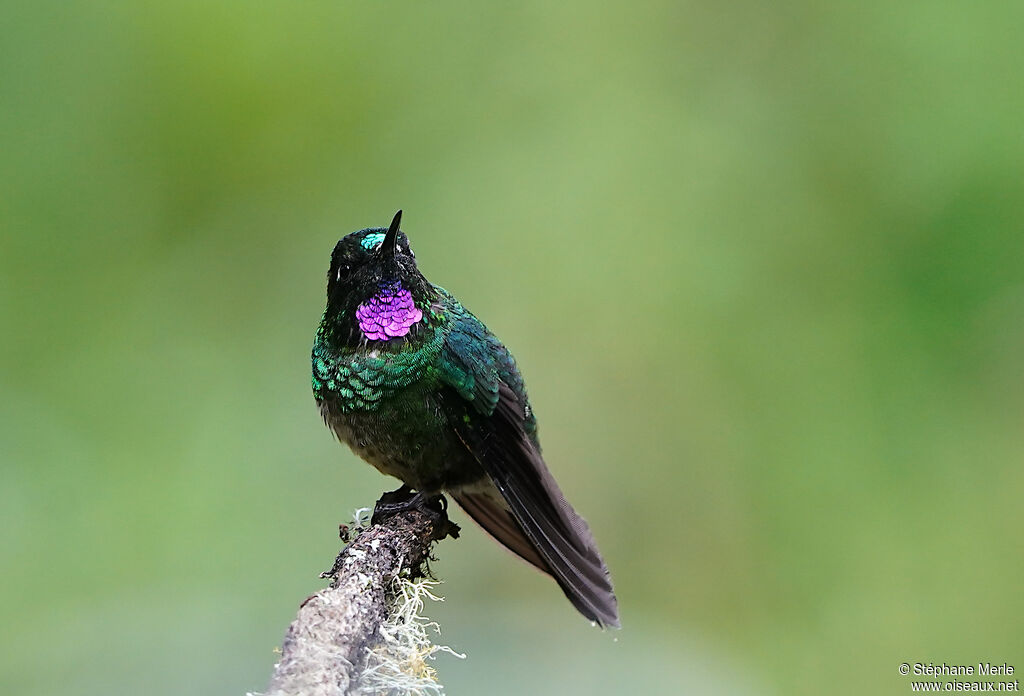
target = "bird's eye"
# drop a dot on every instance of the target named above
(342, 270)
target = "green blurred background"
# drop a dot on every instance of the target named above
(761, 264)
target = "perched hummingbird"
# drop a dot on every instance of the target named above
(419, 388)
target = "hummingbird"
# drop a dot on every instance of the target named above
(418, 387)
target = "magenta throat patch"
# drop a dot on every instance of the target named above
(388, 314)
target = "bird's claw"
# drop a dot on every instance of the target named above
(404, 499)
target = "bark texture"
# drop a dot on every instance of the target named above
(326, 647)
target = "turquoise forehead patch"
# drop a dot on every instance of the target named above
(372, 240)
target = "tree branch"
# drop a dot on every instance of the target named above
(326, 647)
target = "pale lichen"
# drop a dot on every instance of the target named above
(400, 664)
(365, 634)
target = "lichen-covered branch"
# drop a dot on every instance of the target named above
(326, 648)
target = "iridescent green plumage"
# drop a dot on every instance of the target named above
(360, 380)
(417, 386)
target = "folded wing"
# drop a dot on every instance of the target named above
(538, 523)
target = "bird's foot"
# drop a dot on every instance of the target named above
(392, 502)
(404, 499)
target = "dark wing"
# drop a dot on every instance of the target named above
(499, 432)
(490, 511)
(559, 536)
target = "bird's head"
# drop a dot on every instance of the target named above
(375, 292)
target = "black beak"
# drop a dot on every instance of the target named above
(390, 243)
